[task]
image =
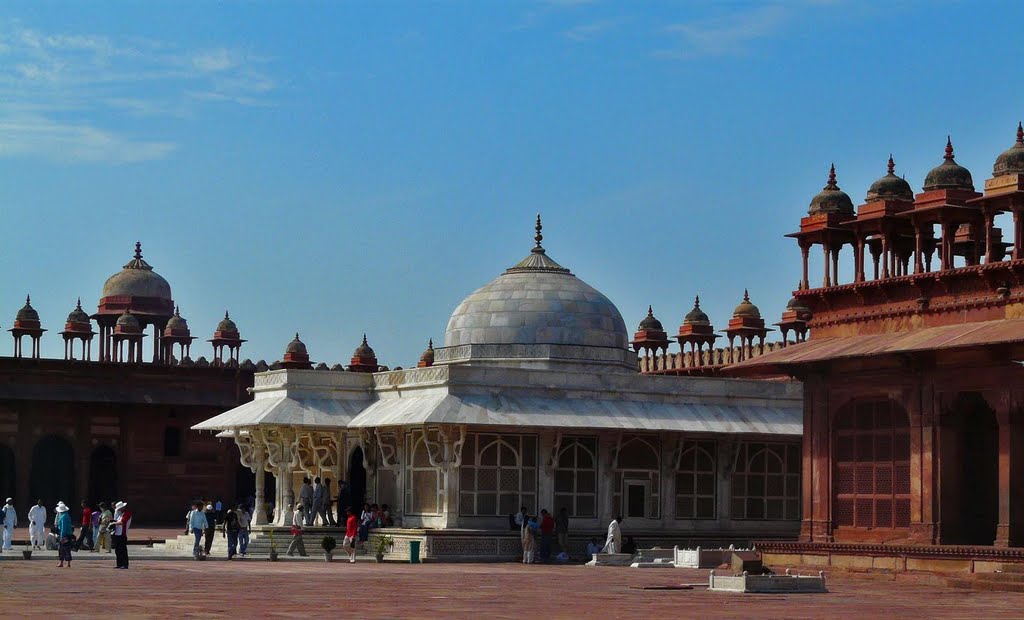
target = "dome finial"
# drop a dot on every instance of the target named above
(949, 149)
(430, 344)
(1020, 133)
(832, 178)
(538, 237)
(79, 304)
(296, 335)
(226, 314)
(892, 165)
(138, 250)
(746, 296)
(650, 310)
(364, 338)
(28, 300)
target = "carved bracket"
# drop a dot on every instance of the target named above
(556, 448)
(388, 446)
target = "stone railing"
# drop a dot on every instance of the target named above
(709, 360)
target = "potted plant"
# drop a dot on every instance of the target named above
(273, 546)
(328, 544)
(26, 552)
(382, 543)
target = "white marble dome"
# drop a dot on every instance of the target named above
(537, 302)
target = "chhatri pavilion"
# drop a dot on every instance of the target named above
(534, 400)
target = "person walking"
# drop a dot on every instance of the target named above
(65, 534)
(547, 529)
(85, 536)
(613, 544)
(318, 500)
(37, 525)
(196, 519)
(244, 525)
(121, 522)
(231, 531)
(351, 534)
(364, 524)
(298, 522)
(10, 522)
(96, 516)
(211, 525)
(103, 538)
(562, 529)
(526, 537)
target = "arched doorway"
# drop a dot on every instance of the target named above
(357, 479)
(979, 467)
(53, 472)
(103, 475)
(8, 473)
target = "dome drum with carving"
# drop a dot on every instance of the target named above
(27, 317)
(137, 287)
(538, 313)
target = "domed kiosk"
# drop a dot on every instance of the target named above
(537, 313)
(143, 292)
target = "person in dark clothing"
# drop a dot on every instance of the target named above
(231, 528)
(211, 524)
(547, 529)
(344, 500)
(85, 537)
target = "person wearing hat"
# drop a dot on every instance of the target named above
(122, 521)
(65, 534)
(37, 525)
(211, 525)
(10, 521)
(103, 537)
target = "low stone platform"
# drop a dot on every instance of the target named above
(944, 559)
(768, 584)
(611, 559)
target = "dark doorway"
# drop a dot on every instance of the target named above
(8, 473)
(979, 500)
(636, 499)
(103, 475)
(357, 479)
(245, 483)
(53, 472)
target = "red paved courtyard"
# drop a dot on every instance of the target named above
(256, 588)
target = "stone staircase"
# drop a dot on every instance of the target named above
(259, 543)
(1011, 579)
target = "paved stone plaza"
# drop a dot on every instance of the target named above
(256, 588)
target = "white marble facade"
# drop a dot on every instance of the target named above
(535, 401)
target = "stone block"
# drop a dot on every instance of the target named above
(936, 565)
(855, 562)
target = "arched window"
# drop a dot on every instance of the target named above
(172, 442)
(498, 475)
(766, 483)
(423, 489)
(872, 466)
(695, 480)
(637, 478)
(576, 477)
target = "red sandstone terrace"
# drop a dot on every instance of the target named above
(162, 589)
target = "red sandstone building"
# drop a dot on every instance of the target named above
(913, 383)
(117, 427)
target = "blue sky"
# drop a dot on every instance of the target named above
(333, 168)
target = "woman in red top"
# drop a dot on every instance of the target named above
(351, 534)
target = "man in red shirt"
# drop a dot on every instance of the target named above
(351, 535)
(547, 528)
(86, 535)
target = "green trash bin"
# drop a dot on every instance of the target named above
(414, 552)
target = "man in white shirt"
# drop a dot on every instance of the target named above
(613, 544)
(10, 521)
(318, 498)
(244, 524)
(36, 525)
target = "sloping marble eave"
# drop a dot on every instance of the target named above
(285, 411)
(625, 415)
